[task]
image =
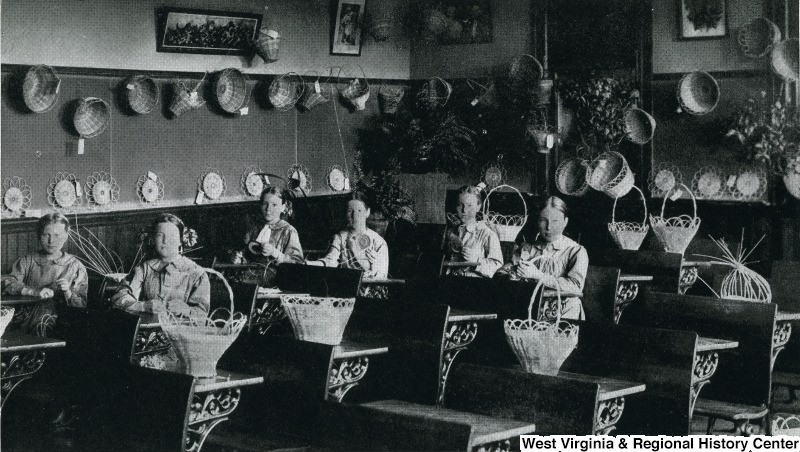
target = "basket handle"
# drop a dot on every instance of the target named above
(447, 85)
(540, 290)
(486, 201)
(227, 286)
(644, 201)
(536, 62)
(666, 195)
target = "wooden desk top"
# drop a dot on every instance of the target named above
(20, 300)
(349, 349)
(224, 380)
(457, 264)
(15, 342)
(783, 316)
(691, 263)
(148, 320)
(463, 315)
(264, 293)
(610, 388)
(552, 293)
(625, 277)
(485, 429)
(384, 281)
(706, 344)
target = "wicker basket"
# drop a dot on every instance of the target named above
(318, 319)
(142, 94)
(231, 90)
(435, 93)
(286, 90)
(435, 21)
(757, 37)
(675, 233)
(525, 69)
(571, 177)
(506, 226)
(639, 126)
(786, 425)
(268, 45)
(785, 59)
(185, 100)
(744, 284)
(545, 138)
(390, 98)
(6, 314)
(698, 93)
(610, 174)
(92, 117)
(357, 91)
(485, 95)
(541, 346)
(314, 94)
(40, 88)
(626, 234)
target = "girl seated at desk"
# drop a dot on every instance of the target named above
(49, 274)
(170, 282)
(472, 240)
(273, 239)
(357, 246)
(565, 263)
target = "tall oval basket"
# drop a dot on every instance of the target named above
(610, 174)
(541, 346)
(506, 226)
(627, 234)
(675, 233)
(318, 319)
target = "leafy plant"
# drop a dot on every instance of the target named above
(384, 188)
(599, 105)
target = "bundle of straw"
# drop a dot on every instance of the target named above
(741, 283)
(94, 254)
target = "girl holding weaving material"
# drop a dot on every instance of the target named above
(171, 281)
(50, 274)
(551, 257)
(358, 246)
(273, 239)
(472, 240)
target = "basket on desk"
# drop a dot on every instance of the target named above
(675, 233)
(6, 314)
(786, 425)
(627, 234)
(200, 342)
(318, 319)
(541, 346)
(507, 227)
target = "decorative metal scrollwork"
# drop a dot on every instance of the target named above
(705, 364)
(207, 410)
(780, 337)
(626, 293)
(688, 278)
(498, 446)
(267, 312)
(377, 291)
(345, 375)
(22, 314)
(457, 336)
(607, 415)
(16, 368)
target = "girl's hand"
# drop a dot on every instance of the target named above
(471, 254)
(526, 269)
(46, 293)
(268, 250)
(65, 286)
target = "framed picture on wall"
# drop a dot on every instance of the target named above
(348, 27)
(702, 19)
(205, 31)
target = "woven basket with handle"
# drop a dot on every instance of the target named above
(698, 93)
(626, 234)
(506, 226)
(571, 177)
(268, 45)
(357, 91)
(610, 174)
(314, 93)
(390, 98)
(675, 233)
(142, 94)
(92, 117)
(286, 90)
(40, 88)
(318, 319)
(185, 100)
(231, 90)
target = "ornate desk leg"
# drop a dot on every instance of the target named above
(608, 413)
(499, 446)
(705, 364)
(780, 337)
(688, 278)
(377, 291)
(267, 313)
(149, 346)
(626, 293)
(16, 368)
(209, 409)
(457, 336)
(345, 375)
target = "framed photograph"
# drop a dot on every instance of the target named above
(348, 27)
(204, 31)
(702, 19)
(467, 22)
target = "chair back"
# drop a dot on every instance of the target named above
(318, 281)
(599, 294)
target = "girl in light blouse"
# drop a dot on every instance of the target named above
(170, 282)
(565, 263)
(472, 240)
(49, 274)
(273, 240)
(358, 246)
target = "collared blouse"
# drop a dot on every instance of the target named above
(346, 251)
(463, 240)
(37, 271)
(283, 236)
(178, 286)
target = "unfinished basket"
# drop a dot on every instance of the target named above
(610, 174)
(141, 94)
(286, 90)
(357, 91)
(785, 59)
(506, 226)
(92, 117)
(231, 90)
(435, 93)
(318, 319)
(40, 88)
(185, 100)
(675, 233)
(268, 45)
(741, 283)
(786, 425)
(6, 314)
(627, 234)
(390, 98)
(541, 346)
(698, 93)
(757, 37)
(314, 95)
(571, 177)
(639, 126)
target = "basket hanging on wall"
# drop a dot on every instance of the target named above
(435, 93)
(102, 189)
(211, 184)
(231, 90)
(506, 226)
(65, 191)
(141, 93)
(610, 174)
(299, 179)
(626, 234)
(149, 188)
(268, 45)
(571, 177)
(91, 117)
(40, 88)
(185, 100)
(639, 126)
(337, 179)
(389, 98)
(675, 233)
(314, 93)
(698, 93)
(252, 182)
(785, 59)
(663, 179)
(17, 196)
(357, 91)
(757, 37)
(286, 90)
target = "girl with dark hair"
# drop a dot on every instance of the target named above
(49, 274)
(169, 282)
(358, 246)
(473, 240)
(565, 263)
(272, 238)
